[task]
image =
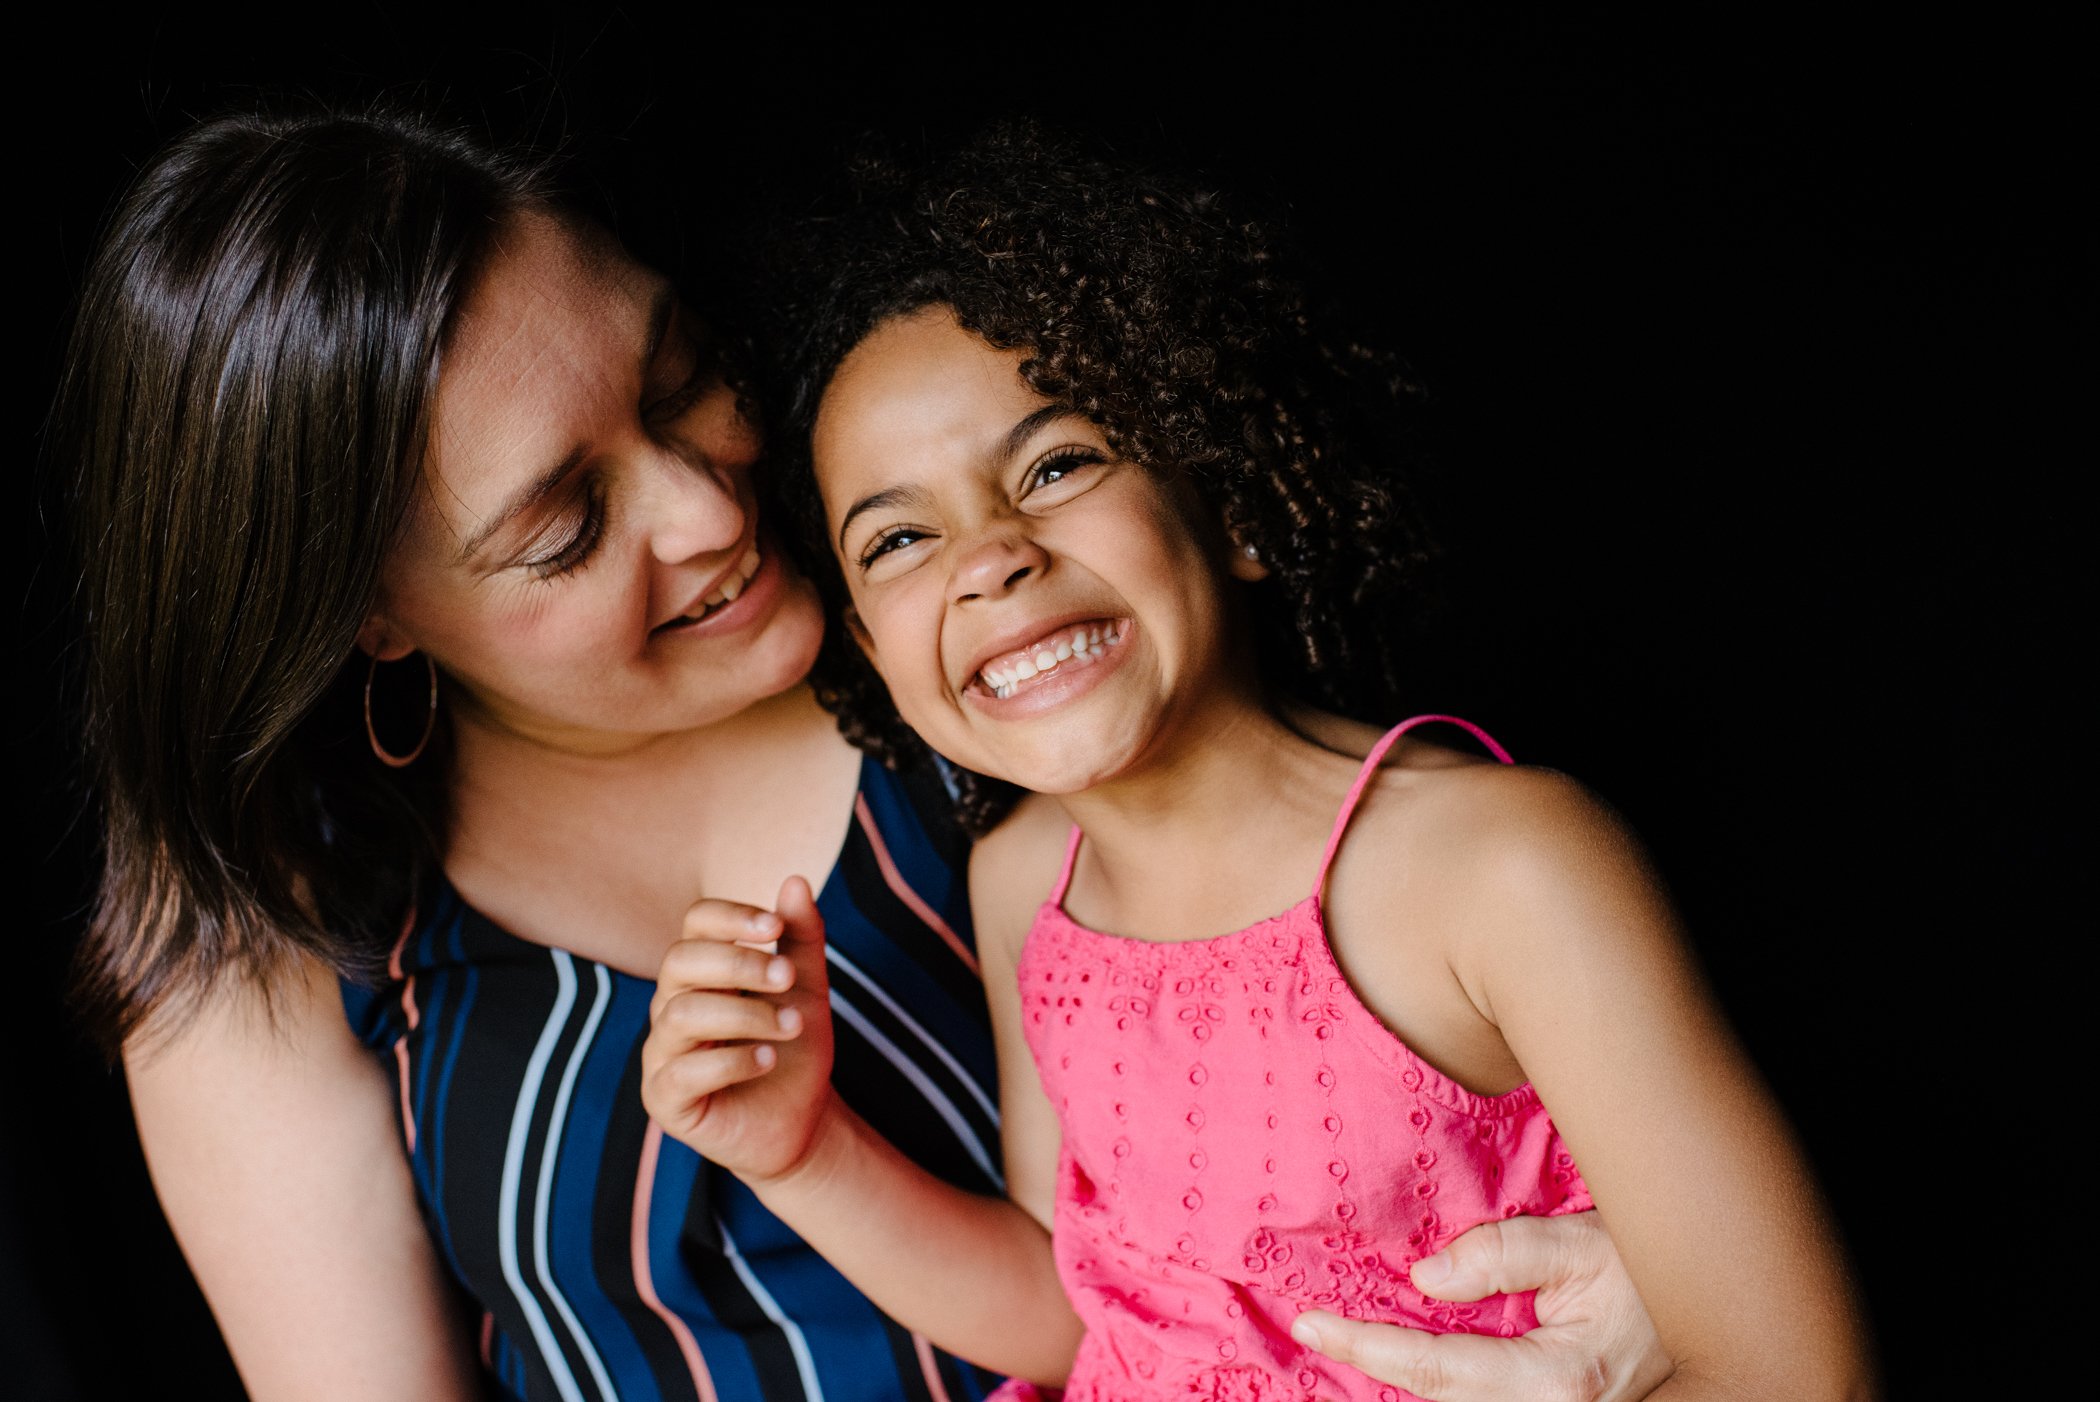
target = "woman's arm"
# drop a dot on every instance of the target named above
(737, 1067)
(1566, 942)
(272, 1141)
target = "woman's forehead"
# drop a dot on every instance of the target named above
(546, 346)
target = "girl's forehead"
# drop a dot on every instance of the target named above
(918, 390)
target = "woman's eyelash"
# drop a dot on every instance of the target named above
(686, 395)
(707, 371)
(576, 551)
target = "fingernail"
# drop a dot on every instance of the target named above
(789, 1020)
(763, 1055)
(1431, 1271)
(777, 971)
(764, 921)
(1305, 1330)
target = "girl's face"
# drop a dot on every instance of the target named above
(1040, 609)
(585, 560)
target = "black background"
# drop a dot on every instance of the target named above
(1753, 341)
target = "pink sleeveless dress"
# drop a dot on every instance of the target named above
(1244, 1141)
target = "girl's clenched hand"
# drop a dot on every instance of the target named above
(737, 1065)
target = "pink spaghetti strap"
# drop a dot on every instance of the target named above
(1363, 778)
(1064, 878)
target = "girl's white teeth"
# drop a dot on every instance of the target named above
(1084, 643)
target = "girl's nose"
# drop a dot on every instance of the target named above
(996, 562)
(693, 507)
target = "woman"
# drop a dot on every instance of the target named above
(434, 641)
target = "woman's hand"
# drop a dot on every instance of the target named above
(1594, 1341)
(737, 1066)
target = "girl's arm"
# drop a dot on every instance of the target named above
(1565, 942)
(273, 1143)
(737, 1066)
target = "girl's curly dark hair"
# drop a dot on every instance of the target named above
(1149, 306)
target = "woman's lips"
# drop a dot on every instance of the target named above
(737, 594)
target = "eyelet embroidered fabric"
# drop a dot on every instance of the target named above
(1243, 1141)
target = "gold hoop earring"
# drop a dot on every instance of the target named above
(392, 761)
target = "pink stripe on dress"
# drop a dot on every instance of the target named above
(644, 1283)
(408, 1119)
(408, 1006)
(894, 879)
(931, 1369)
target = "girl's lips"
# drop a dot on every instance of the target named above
(755, 597)
(1066, 679)
(1076, 642)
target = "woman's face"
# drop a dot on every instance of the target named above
(584, 559)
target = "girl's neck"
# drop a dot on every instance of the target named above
(1215, 832)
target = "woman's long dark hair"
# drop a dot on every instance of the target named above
(244, 409)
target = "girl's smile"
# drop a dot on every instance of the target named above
(1040, 608)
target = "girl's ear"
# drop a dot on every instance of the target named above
(1244, 563)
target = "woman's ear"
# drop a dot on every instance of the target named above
(378, 640)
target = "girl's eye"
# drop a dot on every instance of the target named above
(574, 549)
(1060, 467)
(894, 539)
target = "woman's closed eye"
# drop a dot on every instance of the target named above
(705, 374)
(566, 544)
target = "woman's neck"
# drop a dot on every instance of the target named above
(601, 853)
(1217, 830)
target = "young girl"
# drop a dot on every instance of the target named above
(1282, 997)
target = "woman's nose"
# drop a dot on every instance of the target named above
(996, 562)
(693, 507)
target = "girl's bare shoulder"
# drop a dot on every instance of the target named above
(1013, 867)
(1466, 832)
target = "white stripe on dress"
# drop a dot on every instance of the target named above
(930, 1042)
(910, 1071)
(513, 1172)
(557, 1122)
(797, 1345)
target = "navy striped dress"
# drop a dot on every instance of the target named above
(610, 1262)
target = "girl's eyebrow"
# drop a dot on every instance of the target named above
(907, 495)
(1017, 437)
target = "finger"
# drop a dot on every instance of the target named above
(692, 1018)
(730, 921)
(802, 933)
(1519, 1253)
(676, 1092)
(1437, 1367)
(728, 968)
